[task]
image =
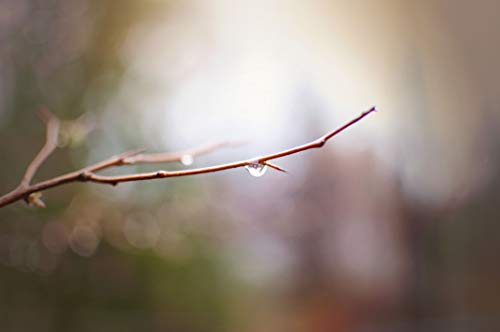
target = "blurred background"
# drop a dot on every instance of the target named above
(392, 226)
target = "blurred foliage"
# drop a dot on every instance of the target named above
(117, 291)
(65, 55)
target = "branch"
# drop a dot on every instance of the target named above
(52, 125)
(87, 174)
(51, 136)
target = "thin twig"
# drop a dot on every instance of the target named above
(87, 174)
(51, 136)
(318, 143)
(168, 157)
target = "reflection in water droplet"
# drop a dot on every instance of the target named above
(187, 159)
(256, 169)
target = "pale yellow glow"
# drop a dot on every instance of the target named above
(265, 71)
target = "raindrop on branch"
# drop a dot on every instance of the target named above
(187, 159)
(256, 169)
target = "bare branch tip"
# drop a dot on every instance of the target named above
(45, 115)
(236, 144)
(134, 152)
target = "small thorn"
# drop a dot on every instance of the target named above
(276, 167)
(161, 174)
(38, 202)
(84, 176)
(35, 199)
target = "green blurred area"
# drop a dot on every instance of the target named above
(66, 56)
(116, 291)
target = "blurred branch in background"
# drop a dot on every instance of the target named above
(52, 133)
(256, 166)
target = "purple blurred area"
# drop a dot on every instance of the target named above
(391, 226)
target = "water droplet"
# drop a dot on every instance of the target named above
(187, 159)
(256, 169)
